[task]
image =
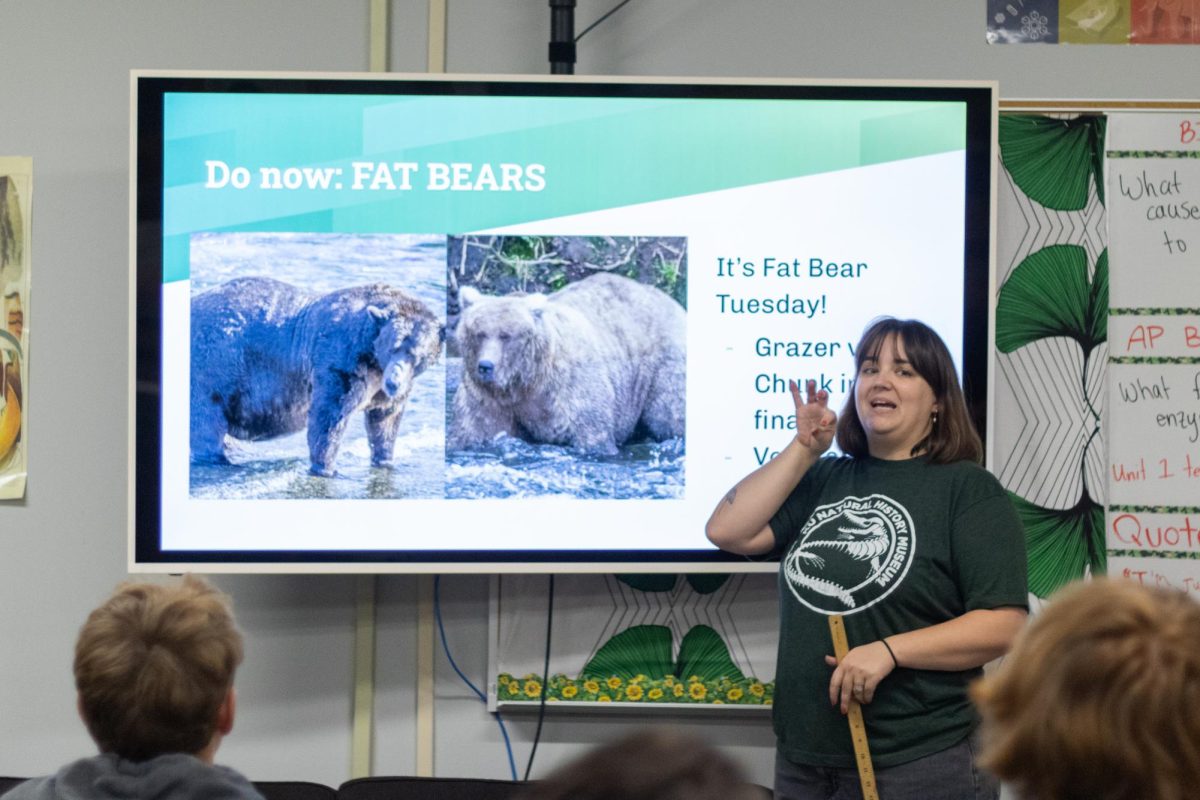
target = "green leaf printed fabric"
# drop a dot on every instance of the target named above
(1048, 294)
(649, 583)
(640, 650)
(1063, 544)
(702, 652)
(646, 650)
(1053, 160)
(706, 582)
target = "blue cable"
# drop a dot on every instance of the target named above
(437, 613)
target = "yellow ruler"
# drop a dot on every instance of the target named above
(858, 729)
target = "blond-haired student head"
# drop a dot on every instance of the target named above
(1098, 699)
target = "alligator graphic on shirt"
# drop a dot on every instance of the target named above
(867, 540)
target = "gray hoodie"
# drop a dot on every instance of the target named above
(174, 776)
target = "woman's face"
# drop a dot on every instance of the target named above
(894, 403)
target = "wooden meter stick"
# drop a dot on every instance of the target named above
(858, 729)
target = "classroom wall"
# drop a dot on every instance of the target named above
(64, 101)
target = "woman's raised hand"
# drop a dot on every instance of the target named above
(815, 421)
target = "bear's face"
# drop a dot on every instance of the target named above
(500, 339)
(404, 347)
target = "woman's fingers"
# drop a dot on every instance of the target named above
(851, 682)
(835, 681)
(843, 686)
(814, 420)
(810, 397)
(852, 689)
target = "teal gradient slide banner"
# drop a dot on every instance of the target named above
(358, 164)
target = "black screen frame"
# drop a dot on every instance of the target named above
(147, 147)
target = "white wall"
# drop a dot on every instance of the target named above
(64, 101)
(910, 39)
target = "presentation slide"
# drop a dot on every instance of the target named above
(407, 323)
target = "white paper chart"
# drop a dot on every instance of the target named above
(1153, 193)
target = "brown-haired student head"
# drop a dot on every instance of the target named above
(154, 668)
(654, 764)
(1098, 698)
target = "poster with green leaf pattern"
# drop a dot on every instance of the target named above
(1051, 340)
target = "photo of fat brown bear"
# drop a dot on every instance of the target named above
(269, 359)
(586, 367)
(565, 370)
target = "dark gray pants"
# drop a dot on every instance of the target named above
(948, 775)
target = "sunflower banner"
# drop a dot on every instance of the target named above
(663, 640)
(16, 194)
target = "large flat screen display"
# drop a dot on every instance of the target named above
(493, 324)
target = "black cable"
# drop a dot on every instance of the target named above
(612, 11)
(537, 734)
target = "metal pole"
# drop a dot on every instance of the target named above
(562, 37)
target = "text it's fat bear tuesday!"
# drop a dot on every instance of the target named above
(591, 366)
(269, 359)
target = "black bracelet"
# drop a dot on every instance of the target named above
(895, 663)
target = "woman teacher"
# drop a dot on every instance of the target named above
(909, 538)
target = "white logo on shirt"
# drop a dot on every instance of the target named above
(850, 554)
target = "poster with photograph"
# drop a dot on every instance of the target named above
(16, 194)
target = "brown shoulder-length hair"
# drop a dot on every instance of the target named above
(953, 436)
(1097, 699)
(153, 665)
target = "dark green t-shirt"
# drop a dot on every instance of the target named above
(893, 546)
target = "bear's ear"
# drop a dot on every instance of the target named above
(468, 295)
(536, 303)
(378, 313)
